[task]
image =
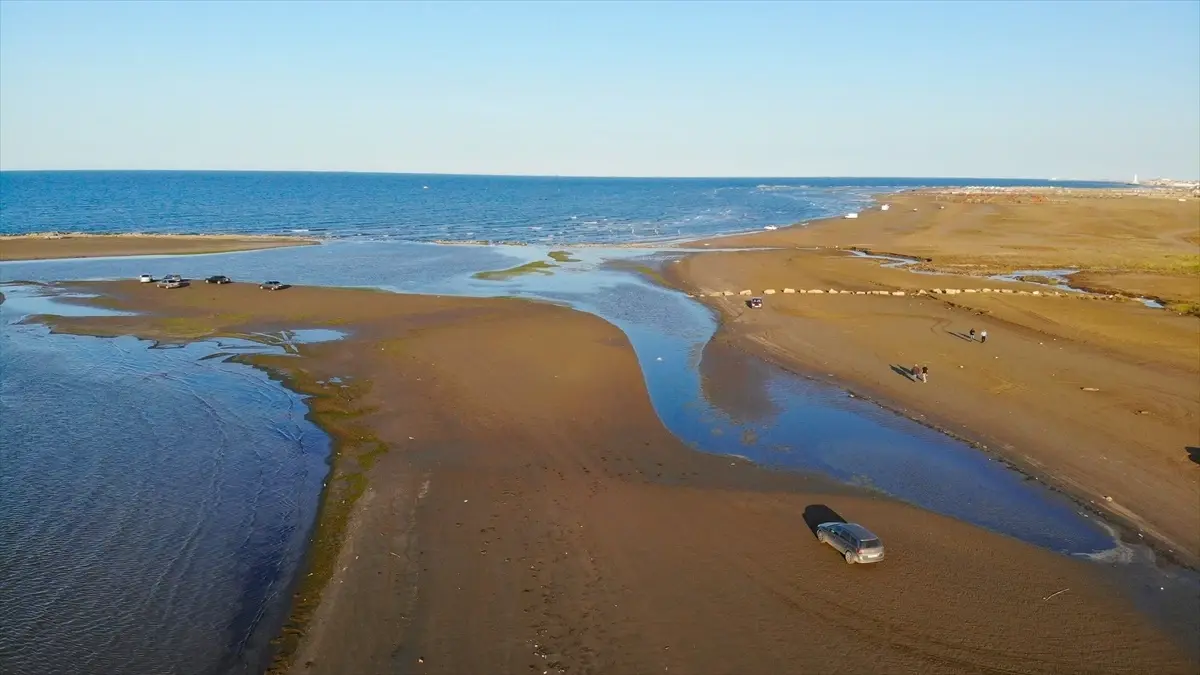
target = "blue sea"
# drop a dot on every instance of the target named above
(409, 207)
(155, 502)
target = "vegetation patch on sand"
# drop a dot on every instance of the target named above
(535, 267)
(563, 257)
(1177, 292)
(338, 410)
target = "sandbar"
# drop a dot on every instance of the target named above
(535, 267)
(1098, 397)
(504, 499)
(54, 245)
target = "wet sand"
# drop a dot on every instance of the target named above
(1099, 397)
(505, 500)
(46, 247)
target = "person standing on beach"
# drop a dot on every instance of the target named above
(924, 373)
(972, 335)
(916, 373)
(983, 336)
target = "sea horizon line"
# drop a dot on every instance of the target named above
(1055, 179)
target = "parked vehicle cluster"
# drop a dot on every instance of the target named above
(177, 281)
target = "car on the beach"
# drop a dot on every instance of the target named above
(218, 279)
(146, 279)
(856, 543)
(171, 283)
(754, 303)
(272, 285)
(172, 277)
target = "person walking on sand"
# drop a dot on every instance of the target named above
(924, 373)
(972, 335)
(983, 336)
(916, 373)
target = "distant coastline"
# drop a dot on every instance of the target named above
(58, 245)
(554, 211)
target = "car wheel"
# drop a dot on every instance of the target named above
(821, 537)
(849, 557)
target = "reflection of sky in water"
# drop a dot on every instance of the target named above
(155, 502)
(820, 428)
(809, 425)
(26, 299)
(816, 427)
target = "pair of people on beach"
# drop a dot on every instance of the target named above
(982, 336)
(920, 373)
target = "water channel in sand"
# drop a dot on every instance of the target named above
(775, 419)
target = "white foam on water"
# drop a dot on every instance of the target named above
(1120, 554)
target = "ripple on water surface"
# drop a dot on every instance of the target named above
(794, 423)
(798, 424)
(155, 505)
(812, 427)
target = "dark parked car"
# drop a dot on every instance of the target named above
(218, 279)
(755, 303)
(272, 286)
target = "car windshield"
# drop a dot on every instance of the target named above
(870, 543)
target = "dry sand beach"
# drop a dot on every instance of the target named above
(505, 500)
(55, 245)
(1099, 397)
(1141, 242)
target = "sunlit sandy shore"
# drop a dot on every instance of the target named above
(1101, 398)
(504, 496)
(45, 246)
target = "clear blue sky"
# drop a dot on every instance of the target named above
(1071, 90)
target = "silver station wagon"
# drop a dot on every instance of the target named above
(855, 542)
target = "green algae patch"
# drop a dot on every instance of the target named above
(1186, 308)
(562, 257)
(338, 410)
(535, 267)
